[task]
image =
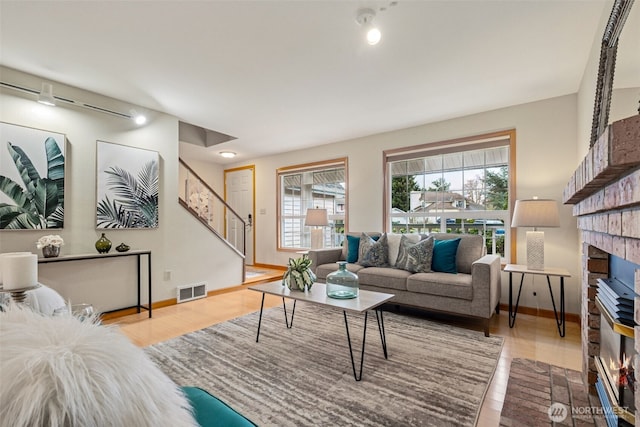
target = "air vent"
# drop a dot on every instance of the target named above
(191, 292)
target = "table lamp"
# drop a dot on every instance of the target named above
(535, 213)
(316, 218)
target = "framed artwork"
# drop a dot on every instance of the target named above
(127, 181)
(32, 166)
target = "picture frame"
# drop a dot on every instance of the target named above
(127, 186)
(32, 178)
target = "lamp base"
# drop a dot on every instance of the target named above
(535, 250)
(317, 238)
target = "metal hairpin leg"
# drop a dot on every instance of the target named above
(560, 322)
(512, 311)
(383, 339)
(286, 318)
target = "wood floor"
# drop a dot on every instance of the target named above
(532, 337)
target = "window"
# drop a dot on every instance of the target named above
(319, 185)
(459, 186)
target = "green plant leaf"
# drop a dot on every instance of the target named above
(27, 171)
(45, 197)
(55, 166)
(15, 192)
(112, 215)
(56, 219)
(14, 218)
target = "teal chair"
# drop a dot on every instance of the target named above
(210, 411)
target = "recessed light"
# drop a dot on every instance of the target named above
(228, 154)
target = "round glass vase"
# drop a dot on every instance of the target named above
(342, 284)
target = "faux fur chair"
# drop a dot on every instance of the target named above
(60, 371)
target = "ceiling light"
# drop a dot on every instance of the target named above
(46, 95)
(365, 19)
(228, 154)
(138, 118)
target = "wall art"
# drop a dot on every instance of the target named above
(32, 166)
(127, 186)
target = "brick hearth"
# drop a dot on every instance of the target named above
(605, 192)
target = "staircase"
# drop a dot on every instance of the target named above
(201, 201)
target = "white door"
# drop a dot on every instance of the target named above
(239, 195)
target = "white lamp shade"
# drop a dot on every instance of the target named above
(535, 213)
(316, 217)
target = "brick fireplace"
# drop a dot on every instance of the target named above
(605, 192)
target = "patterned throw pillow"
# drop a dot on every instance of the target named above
(415, 257)
(372, 253)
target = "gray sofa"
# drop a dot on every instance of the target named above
(473, 292)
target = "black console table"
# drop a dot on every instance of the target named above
(137, 253)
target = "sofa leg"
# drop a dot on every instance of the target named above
(498, 308)
(486, 327)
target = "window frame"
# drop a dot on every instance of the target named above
(309, 167)
(454, 145)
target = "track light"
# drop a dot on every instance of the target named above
(46, 95)
(138, 118)
(365, 19)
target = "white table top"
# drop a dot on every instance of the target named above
(548, 271)
(366, 300)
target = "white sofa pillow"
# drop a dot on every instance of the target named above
(59, 371)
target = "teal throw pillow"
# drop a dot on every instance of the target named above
(444, 255)
(372, 253)
(415, 257)
(353, 247)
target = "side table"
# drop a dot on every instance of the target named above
(548, 272)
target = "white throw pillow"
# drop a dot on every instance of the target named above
(393, 240)
(60, 371)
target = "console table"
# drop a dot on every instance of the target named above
(549, 272)
(136, 253)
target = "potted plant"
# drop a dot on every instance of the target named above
(50, 245)
(299, 275)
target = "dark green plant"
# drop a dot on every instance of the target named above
(40, 203)
(497, 184)
(136, 202)
(401, 188)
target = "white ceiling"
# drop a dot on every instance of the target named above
(281, 75)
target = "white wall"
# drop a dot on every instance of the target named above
(179, 245)
(546, 147)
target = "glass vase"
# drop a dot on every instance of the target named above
(342, 284)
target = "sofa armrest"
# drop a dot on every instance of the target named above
(487, 285)
(324, 256)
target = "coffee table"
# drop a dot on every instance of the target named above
(365, 302)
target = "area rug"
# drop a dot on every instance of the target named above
(539, 394)
(435, 375)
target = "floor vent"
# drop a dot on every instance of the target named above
(191, 292)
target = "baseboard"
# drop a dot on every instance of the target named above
(540, 312)
(270, 266)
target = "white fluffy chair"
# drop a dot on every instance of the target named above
(60, 371)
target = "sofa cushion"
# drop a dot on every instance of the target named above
(393, 240)
(210, 411)
(389, 278)
(373, 253)
(415, 257)
(355, 238)
(444, 255)
(324, 269)
(470, 249)
(442, 284)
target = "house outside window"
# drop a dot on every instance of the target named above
(458, 186)
(320, 185)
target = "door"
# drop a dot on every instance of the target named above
(239, 195)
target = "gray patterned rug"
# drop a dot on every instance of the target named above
(436, 374)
